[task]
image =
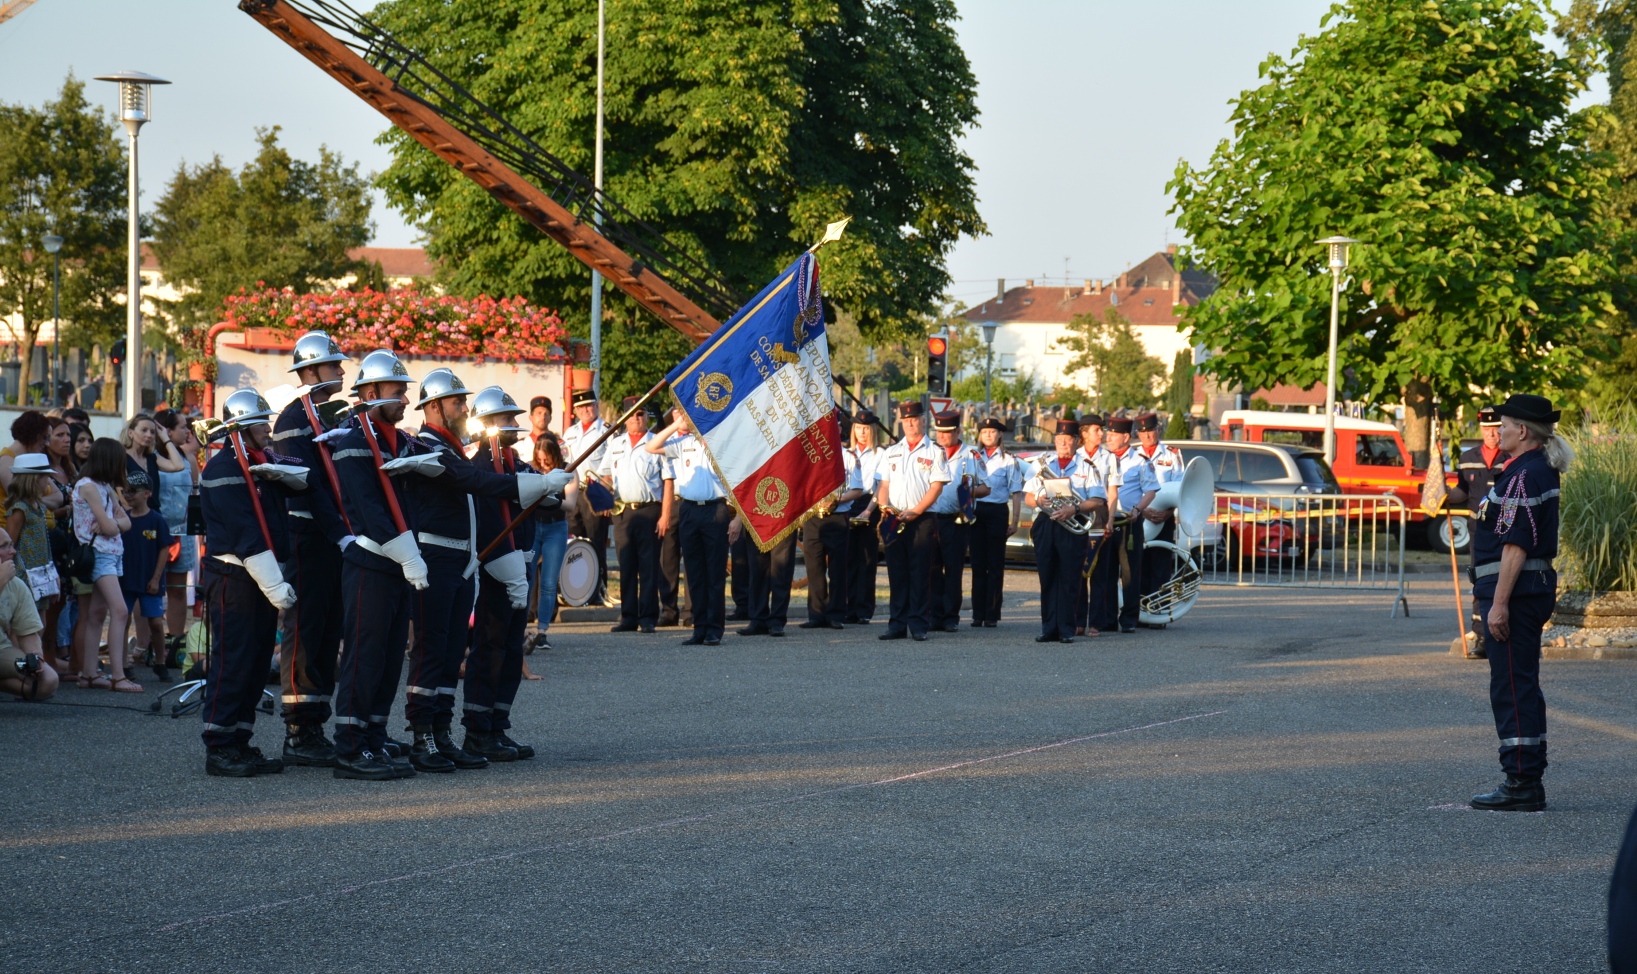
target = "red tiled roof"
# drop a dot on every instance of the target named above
(397, 261)
(1144, 295)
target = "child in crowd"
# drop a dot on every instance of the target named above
(26, 519)
(147, 554)
(100, 520)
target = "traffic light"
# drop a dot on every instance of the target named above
(116, 354)
(937, 366)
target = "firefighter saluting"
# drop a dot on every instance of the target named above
(319, 530)
(246, 536)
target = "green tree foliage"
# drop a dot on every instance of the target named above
(1124, 375)
(1441, 135)
(1022, 387)
(738, 129)
(279, 221)
(62, 171)
(1179, 395)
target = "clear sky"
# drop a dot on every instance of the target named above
(1086, 107)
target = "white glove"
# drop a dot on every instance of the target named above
(285, 473)
(557, 480)
(264, 568)
(530, 488)
(407, 554)
(334, 434)
(425, 464)
(349, 539)
(511, 569)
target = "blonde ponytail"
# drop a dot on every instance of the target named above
(1559, 454)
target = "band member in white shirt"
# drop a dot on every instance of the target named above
(1166, 464)
(863, 544)
(706, 526)
(643, 494)
(1135, 492)
(998, 515)
(911, 475)
(1064, 487)
(583, 431)
(965, 478)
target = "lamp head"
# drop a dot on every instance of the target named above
(53, 243)
(1338, 251)
(989, 332)
(135, 109)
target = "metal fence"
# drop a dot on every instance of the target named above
(1334, 541)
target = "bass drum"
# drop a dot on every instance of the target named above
(578, 579)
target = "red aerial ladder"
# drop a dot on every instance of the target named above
(536, 185)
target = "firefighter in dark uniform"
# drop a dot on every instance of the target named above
(863, 543)
(584, 522)
(998, 516)
(824, 553)
(954, 528)
(381, 570)
(246, 536)
(1513, 546)
(447, 512)
(912, 474)
(494, 670)
(319, 531)
(1475, 474)
(706, 527)
(1064, 487)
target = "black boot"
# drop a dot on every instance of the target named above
(394, 749)
(424, 753)
(228, 761)
(261, 763)
(488, 745)
(308, 747)
(464, 760)
(524, 751)
(364, 766)
(1516, 794)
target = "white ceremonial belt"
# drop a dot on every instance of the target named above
(229, 559)
(442, 542)
(306, 514)
(371, 546)
(1529, 565)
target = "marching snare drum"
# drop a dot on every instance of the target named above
(578, 579)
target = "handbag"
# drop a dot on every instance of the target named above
(43, 581)
(73, 558)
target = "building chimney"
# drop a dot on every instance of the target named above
(1176, 290)
(1087, 288)
(1097, 286)
(1000, 288)
(1121, 282)
(1028, 282)
(1171, 249)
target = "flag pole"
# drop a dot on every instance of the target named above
(617, 425)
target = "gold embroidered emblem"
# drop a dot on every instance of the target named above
(771, 497)
(714, 392)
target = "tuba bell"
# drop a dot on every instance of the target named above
(1192, 497)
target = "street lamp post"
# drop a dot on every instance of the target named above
(54, 246)
(597, 220)
(1338, 262)
(134, 101)
(988, 364)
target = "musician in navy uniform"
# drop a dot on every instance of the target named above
(999, 510)
(1475, 474)
(1167, 466)
(863, 543)
(246, 536)
(583, 522)
(494, 670)
(319, 531)
(909, 479)
(448, 512)
(1064, 486)
(824, 539)
(965, 483)
(707, 526)
(381, 570)
(644, 495)
(1513, 545)
(1129, 494)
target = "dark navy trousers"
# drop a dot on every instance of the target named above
(312, 634)
(703, 537)
(442, 611)
(243, 628)
(379, 604)
(909, 575)
(863, 555)
(1059, 555)
(1514, 683)
(494, 670)
(771, 575)
(947, 570)
(824, 552)
(988, 541)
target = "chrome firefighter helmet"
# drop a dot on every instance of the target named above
(441, 384)
(316, 348)
(493, 411)
(380, 365)
(245, 408)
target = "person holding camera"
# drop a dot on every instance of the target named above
(23, 672)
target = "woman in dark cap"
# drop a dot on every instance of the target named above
(1516, 587)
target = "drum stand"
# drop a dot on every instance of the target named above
(190, 693)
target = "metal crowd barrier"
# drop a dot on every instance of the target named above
(1336, 541)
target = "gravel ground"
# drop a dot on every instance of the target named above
(1276, 783)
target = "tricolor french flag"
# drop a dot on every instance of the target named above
(758, 392)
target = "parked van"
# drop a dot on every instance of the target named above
(1370, 459)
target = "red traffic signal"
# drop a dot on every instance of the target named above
(937, 345)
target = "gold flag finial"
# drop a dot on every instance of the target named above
(831, 232)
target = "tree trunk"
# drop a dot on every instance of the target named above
(31, 334)
(1418, 421)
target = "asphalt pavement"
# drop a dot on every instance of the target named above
(1275, 783)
